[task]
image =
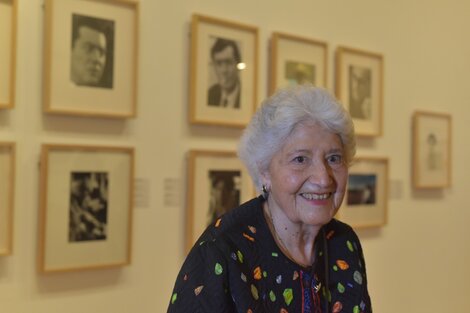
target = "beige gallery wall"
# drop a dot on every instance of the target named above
(416, 263)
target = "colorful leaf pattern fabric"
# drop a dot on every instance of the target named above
(236, 266)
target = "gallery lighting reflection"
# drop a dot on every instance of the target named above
(241, 66)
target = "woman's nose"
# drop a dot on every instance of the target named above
(320, 174)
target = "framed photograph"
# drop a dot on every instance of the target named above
(8, 9)
(90, 57)
(359, 86)
(7, 195)
(85, 207)
(223, 74)
(366, 200)
(297, 60)
(217, 182)
(431, 150)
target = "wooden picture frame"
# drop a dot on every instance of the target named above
(432, 150)
(7, 195)
(90, 57)
(359, 86)
(366, 200)
(217, 182)
(86, 202)
(8, 13)
(223, 73)
(297, 60)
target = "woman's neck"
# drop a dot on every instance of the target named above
(295, 240)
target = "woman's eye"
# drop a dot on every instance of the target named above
(300, 159)
(335, 159)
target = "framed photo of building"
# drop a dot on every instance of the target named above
(85, 207)
(217, 182)
(359, 86)
(431, 150)
(8, 9)
(297, 60)
(223, 73)
(90, 57)
(7, 195)
(366, 200)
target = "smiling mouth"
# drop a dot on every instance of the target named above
(315, 196)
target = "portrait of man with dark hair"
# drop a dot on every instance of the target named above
(225, 59)
(92, 51)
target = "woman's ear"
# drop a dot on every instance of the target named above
(265, 178)
(265, 184)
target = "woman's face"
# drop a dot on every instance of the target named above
(307, 176)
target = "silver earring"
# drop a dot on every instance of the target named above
(265, 191)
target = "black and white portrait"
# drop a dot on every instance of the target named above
(88, 206)
(362, 189)
(226, 64)
(298, 73)
(360, 92)
(224, 192)
(92, 51)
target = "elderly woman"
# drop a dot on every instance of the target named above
(284, 251)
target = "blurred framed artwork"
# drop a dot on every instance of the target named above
(7, 195)
(431, 150)
(85, 207)
(223, 73)
(366, 200)
(297, 60)
(8, 12)
(90, 57)
(359, 86)
(217, 183)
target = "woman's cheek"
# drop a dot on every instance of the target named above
(338, 198)
(292, 183)
(340, 190)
